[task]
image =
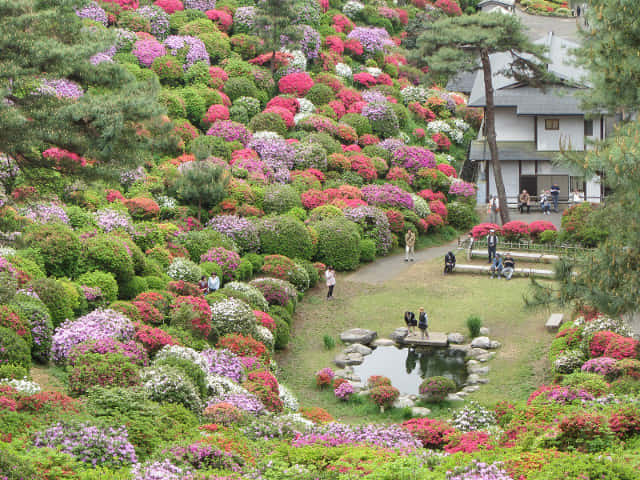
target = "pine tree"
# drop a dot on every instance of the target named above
(45, 52)
(452, 45)
(274, 25)
(203, 185)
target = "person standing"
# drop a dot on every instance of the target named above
(492, 244)
(470, 241)
(494, 209)
(410, 243)
(423, 323)
(555, 195)
(330, 275)
(213, 283)
(508, 266)
(524, 201)
(410, 320)
(578, 10)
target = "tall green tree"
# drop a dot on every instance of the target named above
(609, 52)
(274, 25)
(202, 185)
(52, 95)
(452, 45)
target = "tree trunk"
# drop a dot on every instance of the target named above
(272, 62)
(490, 132)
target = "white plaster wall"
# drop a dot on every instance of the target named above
(528, 168)
(510, 178)
(512, 128)
(593, 190)
(571, 132)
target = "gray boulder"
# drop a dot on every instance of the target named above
(484, 331)
(420, 412)
(398, 334)
(495, 344)
(358, 348)
(481, 342)
(455, 338)
(358, 335)
(383, 342)
(403, 401)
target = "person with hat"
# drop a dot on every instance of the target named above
(492, 244)
(496, 266)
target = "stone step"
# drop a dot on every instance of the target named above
(521, 272)
(435, 339)
(525, 256)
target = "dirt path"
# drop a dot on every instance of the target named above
(42, 377)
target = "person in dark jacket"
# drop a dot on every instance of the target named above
(423, 323)
(496, 266)
(508, 266)
(410, 320)
(492, 244)
(449, 262)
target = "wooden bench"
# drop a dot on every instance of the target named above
(554, 322)
(517, 272)
(524, 256)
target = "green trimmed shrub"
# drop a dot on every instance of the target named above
(461, 216)
(256, 260)
(245, 270)
(268, 121)
(285, 235)
(132, 288)
(109, 369)
(281, 335)
(14, 349)
(37, 316)
(198, 73)
(237, 87)
(312, 272)
(60, 298)
(173, 102)
(190, 370)
(280, 198)
(320, 94)
(13, 372)
(199, 242)
(195, 106)
(59, 247)
(155, 283)
(206, 146)
(169, 69)
(367, 250)
(103, 252)
(357, 121)
(104, 281)
(338, 243)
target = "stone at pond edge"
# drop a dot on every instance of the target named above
(403, 401)
(476, 352)
(473, 379)
(358, 348)
(398, 334)
(495, 344)
(342, 360)
(479, 370)
(420, 412)
(452, 397)
(358, 335)
(484, 331)
(471, 389)
(481, 342)
(455, 338)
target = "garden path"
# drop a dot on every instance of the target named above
(539, 26)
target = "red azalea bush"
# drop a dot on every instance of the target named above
(50, 401)
(221, 18)
(610, 344)
(342, 24)
(285, 114)
(338, 162)
(169, 6)
(142, 208)
(182, 288)
(313, 198)
(432, 433)
(244, 346)
(378, 381)
(201, 322)
(114, 195)
(468, 442)
(317, 415)
(153, 339)
(265, 386)
(450, 7)
(439, 208)
(334, 43)
(148, 313)
(265, 320)
(224, 414)
(396, 220)
(296, 84)
(365, 79)
(384, 395)
(539, 226)
(625, 421)
(354, 47)
(324, 377)
(218, 77)
(214, 113)
(441, 140)
(515, 230)
(578, 428)
(430, 195)
(447, 169)
(10, 318)
(162, 301)
(482, 229)
(288, 103)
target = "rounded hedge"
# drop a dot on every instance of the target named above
(320, 94)
(285, 235)
(13, 349)
(282, 334)
(104, 281)
(103, 253)
(199, 242)
(367, 250)
(132, 288)
(280, 198)
(437, 388)
(237, 87)
(338, 243)
(358, 122)
(461, 215)
(59, 247)
(59, 298)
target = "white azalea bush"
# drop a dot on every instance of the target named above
(233, 316)
(184, 269)
(473, 416)
(168, 384)
(184, 353)
(255, 296)
(24, 386)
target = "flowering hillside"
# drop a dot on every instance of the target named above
(272, 166)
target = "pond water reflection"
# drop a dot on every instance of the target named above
(406, 368)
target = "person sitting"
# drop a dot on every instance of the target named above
(545, 203)
(214, 282)
(496, 266)
(449, 262)
(202, 285)
(509, 265)
(410, 320)
(525, 199)
(577, 197)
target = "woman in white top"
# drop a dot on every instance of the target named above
(330, 275)
(577, 197)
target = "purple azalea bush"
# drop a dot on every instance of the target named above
(462, 188)
(230, 131)
(387, 195)
(383, 436)
(159, 470)
(413, 158)
(158, 19)
(375, 224)
(146, 51)
(109, 219)
(202, 5)
(373, 39)
(310, 42)
(129, 349)
(479, 471)
(223, 362)
(96, 325)
(344, 391)
(241, 230)
(600, 365)
(88, 443)
(46, 213)
(61, 88)
(94, 12)
(244, 401)
(191, 48)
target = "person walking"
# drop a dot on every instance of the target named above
(470, 241)
(525, 199)
(494, 209)
(555, 195)
(330, 275)
(213, 283)
(508, 266)
(410, 243)
(492, 244)
(423, 323)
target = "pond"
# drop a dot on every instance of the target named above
(406, 368)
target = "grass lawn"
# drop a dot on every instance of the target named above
(518, 368)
